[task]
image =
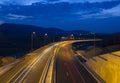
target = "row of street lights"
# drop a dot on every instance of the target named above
(91, 33)
(94, 46)
(32, 39)
(46, 35)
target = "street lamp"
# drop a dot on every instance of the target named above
(45, 37)
(72, 36)
(46, 34)
(53, 39)
(80, 36)
(94, 42)
(32, 39)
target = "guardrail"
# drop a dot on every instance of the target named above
(93, 74)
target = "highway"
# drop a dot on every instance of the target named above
(30, 68)
(68, 68)
(53, 63)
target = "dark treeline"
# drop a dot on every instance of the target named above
(15, 39)
(109, 44)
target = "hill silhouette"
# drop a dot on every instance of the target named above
(16, 38)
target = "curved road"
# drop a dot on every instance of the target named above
(53, 63)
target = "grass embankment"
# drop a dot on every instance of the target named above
(105, 62)
(107, 66)
(6, 60)
(89, 53)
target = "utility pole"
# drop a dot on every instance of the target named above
(80, 36)
(32, 40)
(94, 43)
(45, 38)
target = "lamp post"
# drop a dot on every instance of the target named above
(80, 36)
(53, 39)
(32, 40)
(45, 37)
(71, 36)
(94, 42)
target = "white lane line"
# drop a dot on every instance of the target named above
(32, 64)
(50, 72)
(29, 67)
(45, 71)
(49, 69)
(29, 70)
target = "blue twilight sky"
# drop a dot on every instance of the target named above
(101, 16)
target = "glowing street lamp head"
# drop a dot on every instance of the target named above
(72, 35)
(46, 34)
(92, 33)
(33, 32)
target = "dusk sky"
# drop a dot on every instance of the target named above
(101, 16)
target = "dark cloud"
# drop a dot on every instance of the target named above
(29, 2)
(52, 0)
(57, 9)
(61, 14)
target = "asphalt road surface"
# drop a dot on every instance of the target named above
(53, 63)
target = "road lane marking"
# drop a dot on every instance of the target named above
(27, 64)
(16, 73)
(44, 71)
(24, 70)
(45, 51)
(34, 63)
(71, 68)
(50, 71)
(48, 78)
(29, 70)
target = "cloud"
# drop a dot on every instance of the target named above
(81, 1)
(105, 13)
(62, 8)
(19, 2)
(1, 22)
(100, 0)
(53, 0)
(115, 11)
(19, 17)
(59, 11)
(30, 2)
